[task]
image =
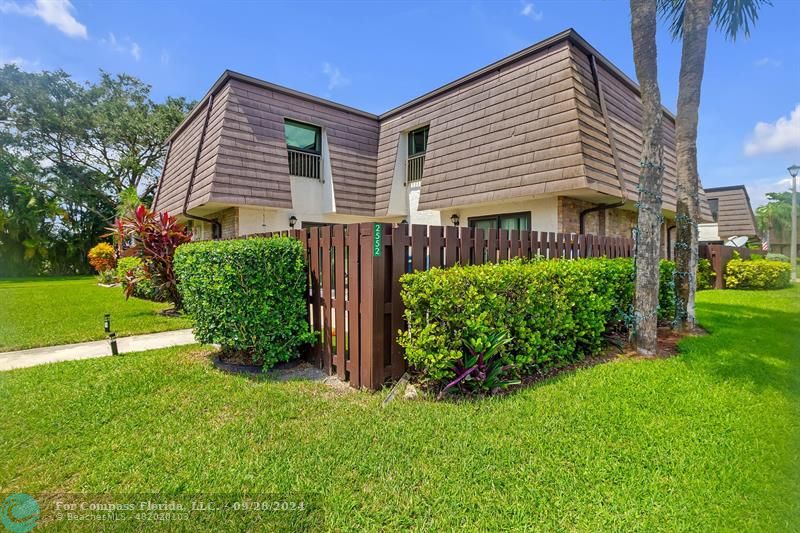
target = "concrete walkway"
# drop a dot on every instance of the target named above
(90, 350)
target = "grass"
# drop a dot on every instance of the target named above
(50, 311)
(707, 440)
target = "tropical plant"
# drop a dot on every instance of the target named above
(153, 237)
(102, 257)
(651, 177)
(480, 370)
(690, 20)
(80, 147)
(774, 218)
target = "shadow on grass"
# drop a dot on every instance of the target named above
(757, 346)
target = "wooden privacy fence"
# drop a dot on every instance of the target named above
(720, 255)
(354, 282)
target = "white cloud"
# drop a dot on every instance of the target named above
(335, 76)
(57, 13)
(529, 10)
(126, 46)
(769, 62)
(758, 189)
(136, 51)
(781, 136)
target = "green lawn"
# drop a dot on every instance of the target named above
(704, 441)
(49, 311)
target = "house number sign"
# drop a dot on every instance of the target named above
(377, 240)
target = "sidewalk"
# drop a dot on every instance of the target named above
(90, 350)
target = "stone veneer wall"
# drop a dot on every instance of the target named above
(229, 219)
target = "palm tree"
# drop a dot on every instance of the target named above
(643, 34)
(690, 20)
(774, 217)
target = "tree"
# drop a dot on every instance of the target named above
(89, 147)
(690, 20)
(775, 217)
(645, 318)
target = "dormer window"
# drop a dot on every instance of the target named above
(713, 205)
(417, 145)
(304, 144)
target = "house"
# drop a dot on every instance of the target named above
(731, 214)
(546, 139)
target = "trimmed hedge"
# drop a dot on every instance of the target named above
(247, 295)
(758, 275)
(143, 289)
(706, 277)
(555, 311)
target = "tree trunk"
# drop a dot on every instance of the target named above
(648, 236)
(697, 14)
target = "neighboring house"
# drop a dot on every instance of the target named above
(546, 139)
(731, 213)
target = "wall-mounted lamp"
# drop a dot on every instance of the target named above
(292, 221)
(404, 221)
(454, 219)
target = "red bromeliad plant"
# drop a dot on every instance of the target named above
(153, 237)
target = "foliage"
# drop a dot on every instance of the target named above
(107, 277)
(731, 16)
(703, 441)
(131, 268)
(554, 311)
(779, 257)
(78, 148)
(28, 218)
(742, 274)
(102, 257)
(48, 311)
(775, 217)
(479, 370)
(706, 277)
(153, 237)
(247, 295)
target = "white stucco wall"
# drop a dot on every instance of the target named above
(708, 232)
(544, 212)
(427, 217)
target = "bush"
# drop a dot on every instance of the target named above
(131, 268)
(779, 257)
(154, 237)
(247, 295)
(554, 311)
(706, 277)
(741, 274)
(102, 258)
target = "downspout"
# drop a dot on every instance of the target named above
(581, 217)
(669, 241)
(216, 227)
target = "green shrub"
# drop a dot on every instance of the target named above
(779, 257)
(554, 311)
(706, 277)
(741, 274)
(144, 288)
(247, 295)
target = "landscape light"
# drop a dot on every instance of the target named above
(112, 337)
(107, 323)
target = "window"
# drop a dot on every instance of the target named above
(304, 143)
(509, 221)
(418, 141)
(303, 137)
(713, 204)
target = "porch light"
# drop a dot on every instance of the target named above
(292, 221)
(794, 170)
(454, 219)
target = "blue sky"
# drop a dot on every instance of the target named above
(375, 56)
